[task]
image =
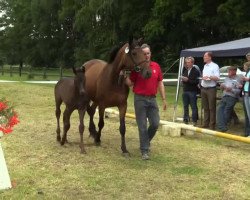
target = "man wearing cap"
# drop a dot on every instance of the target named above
(231, 91)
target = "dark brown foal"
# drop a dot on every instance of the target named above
(71, 91)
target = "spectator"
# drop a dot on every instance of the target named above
(231, 91)
(145, 102)
(248, 57)
(234, 116)
(190, 80)
(210, 76)
(246, 98)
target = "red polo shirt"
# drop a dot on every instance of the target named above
(147, 87)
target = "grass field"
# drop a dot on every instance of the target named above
(195, 167)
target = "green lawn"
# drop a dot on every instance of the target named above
(195, 167)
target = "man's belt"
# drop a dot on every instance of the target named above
(147, 96)
(207, 88)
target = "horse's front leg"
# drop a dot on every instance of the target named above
(122, 112)
(91, 111)
(81, 128)
(100, 125)
(66, 123)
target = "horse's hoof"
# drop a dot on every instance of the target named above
(126, 154)
(62, 143)
(58, 139)
(83, 152)
(98, 143)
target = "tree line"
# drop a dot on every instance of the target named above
(53, 33)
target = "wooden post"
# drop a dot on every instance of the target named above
(44, 73)
(2, 70)
(11, 70)
(61, 72)
(20, 71)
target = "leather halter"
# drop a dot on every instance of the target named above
(136, 67)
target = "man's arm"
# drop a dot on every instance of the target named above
(194, 77)
(161, 89)
(216, 76)
(127, 79)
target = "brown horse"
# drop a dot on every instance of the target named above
(103, 87)
(71, 91)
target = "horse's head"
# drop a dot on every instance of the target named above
(79, 79)
(134, 58)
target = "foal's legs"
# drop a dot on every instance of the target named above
(122, 112)
(66, 123)
(91, 111)
(58, 114)
(81, 128)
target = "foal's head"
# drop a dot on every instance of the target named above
(79, 80)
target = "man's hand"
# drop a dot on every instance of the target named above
(164, 104)
(184, 79)
(245, 78)
(206, 78)
(228, 89)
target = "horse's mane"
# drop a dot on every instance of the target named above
(114, 52)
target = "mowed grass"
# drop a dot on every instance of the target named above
(195, 167)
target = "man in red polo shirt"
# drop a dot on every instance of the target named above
(145, 101)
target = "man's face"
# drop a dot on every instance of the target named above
(147, 53)
(231, 72)
(206, 58)
(248, 58)
(189, 64)
(245, 68)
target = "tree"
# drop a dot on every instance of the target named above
(15, 30)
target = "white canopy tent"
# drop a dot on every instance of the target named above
(228, 49)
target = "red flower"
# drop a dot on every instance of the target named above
(8, 117)
(2, 106)
(6, 130)
(13, 120)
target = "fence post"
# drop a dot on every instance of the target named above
(10, 70)
(44, 73)
(2, 70)
(20, 71)
(61, 72)
(30, 75)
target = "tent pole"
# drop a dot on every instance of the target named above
(181, 64)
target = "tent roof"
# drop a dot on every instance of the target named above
(228, 49)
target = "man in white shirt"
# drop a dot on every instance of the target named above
(210, 76)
